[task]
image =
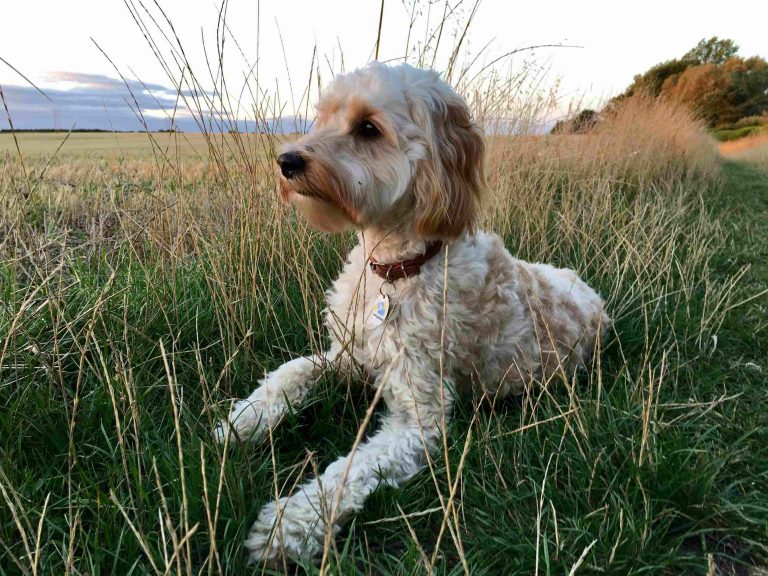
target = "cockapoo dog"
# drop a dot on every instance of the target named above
(425, 301)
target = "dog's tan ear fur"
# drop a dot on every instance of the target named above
(450, 181)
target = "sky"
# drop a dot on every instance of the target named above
(76, 51)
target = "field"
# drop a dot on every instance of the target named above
(146, 282)
(111, 145)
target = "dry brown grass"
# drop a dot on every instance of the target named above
(752, 149)
(733, 147)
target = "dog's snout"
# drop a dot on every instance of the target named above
(291, 164)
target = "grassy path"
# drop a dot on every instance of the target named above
(741, 361)
(743, 211)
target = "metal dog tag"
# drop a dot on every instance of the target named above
(381, 306)
(380, 309)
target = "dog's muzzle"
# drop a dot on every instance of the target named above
(291, 164)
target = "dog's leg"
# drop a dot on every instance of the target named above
(287, 386)
(397, 452)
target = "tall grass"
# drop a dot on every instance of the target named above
(752, 149)
(138, 296)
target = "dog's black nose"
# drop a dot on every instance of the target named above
(291, 164)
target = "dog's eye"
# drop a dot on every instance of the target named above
(368, 129)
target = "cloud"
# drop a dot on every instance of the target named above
(100, 82)
(95, 101)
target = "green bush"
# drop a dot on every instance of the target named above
(746, 122)
(726, 135)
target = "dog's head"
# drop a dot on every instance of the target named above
(392, 146)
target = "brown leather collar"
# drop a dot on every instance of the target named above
(406, 268)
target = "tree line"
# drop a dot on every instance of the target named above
(721, 87)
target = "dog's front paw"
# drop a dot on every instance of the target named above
(298, 533)
(247, 421)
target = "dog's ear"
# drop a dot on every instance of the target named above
(450, 180)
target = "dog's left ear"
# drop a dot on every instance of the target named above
(450, 181)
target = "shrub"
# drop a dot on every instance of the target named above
(746, 122)
(582, 122)
(735, 134)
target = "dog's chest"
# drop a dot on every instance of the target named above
(364, 309)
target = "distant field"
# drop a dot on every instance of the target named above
(109, 143)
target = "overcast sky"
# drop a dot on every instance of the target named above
(53, 43)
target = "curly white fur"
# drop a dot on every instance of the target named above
(473, 315)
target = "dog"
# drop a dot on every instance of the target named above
(426, 303)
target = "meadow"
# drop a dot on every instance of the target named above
(146, 280)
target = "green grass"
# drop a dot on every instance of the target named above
(657, 465)
(727, 135)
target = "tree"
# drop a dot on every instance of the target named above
(712, 51)
(579, 124)
(722, 93)
(718, 85)
(651, 81)
(749, 87)
(703, 89)
(707, 51)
